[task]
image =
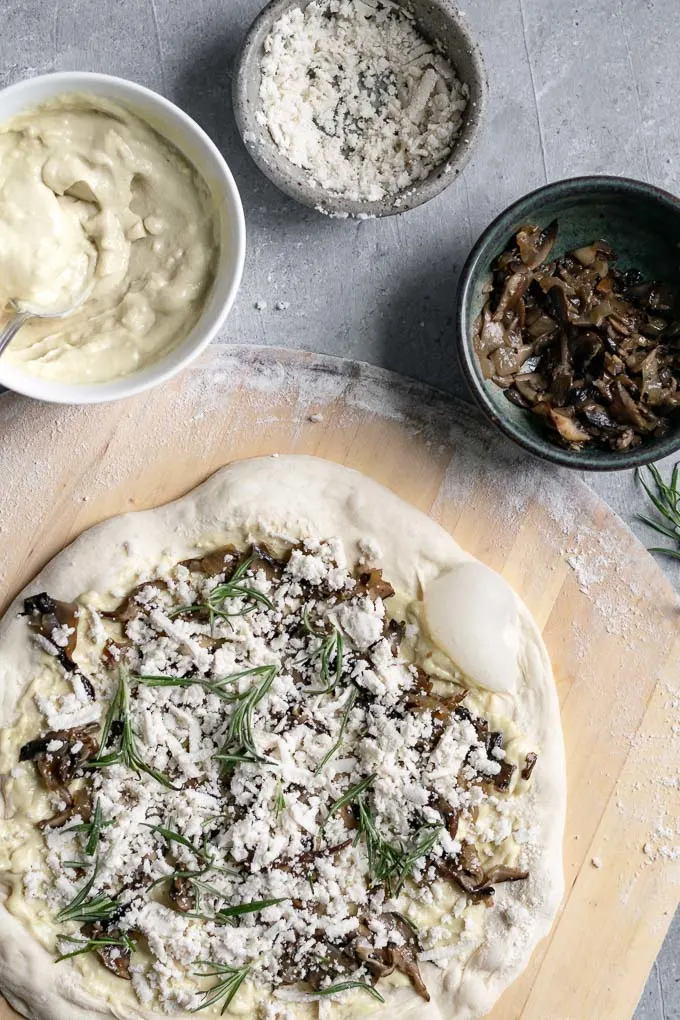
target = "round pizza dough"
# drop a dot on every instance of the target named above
(296, 497)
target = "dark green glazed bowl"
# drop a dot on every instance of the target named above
(642, 223)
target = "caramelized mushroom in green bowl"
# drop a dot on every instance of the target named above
(569, 323)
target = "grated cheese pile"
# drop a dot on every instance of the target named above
(351, 92)
(337, 700)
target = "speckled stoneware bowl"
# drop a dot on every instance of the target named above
(437, 20)
(642, 223)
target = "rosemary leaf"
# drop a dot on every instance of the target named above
(280, 800)
(226, 914)
(84, 910)
(165, 681)
(425, 841)
(128, 752)
(351, 698)
(95, 830)
(674, 554)
(227, 988)
(666, 499)
(176, 837)
(352, 794)
(345, 986)
(231, 589)
(91, 945)
(240, 741)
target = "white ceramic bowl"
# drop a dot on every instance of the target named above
(175, 125)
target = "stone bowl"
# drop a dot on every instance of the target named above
(437, 20)
(642, 224)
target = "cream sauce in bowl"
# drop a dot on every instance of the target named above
(92, 196)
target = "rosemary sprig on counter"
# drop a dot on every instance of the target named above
(231, 979)
(91, 945)
(128, 753)
(666, 499)
(234, 588)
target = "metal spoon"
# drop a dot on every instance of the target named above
(24, 312)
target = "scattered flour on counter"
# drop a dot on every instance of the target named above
(351, 92)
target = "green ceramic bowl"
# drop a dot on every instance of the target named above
(642, 223)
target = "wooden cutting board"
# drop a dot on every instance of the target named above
(609, 617)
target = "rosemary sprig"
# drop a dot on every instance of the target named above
(351, 698)
(91, 945)
(153, 680)
(345, 986)
(231, 979)
(227, 914)
(425, 840)
(332, 649)
(213, 686)
(279, 800)
(239, 745)
(87, 826)
(93, 828)
(352, 794)
(128, 752)
(383, 857)
(84, 910)
(392, 864)
(221, 593)
(388, 863)
(176, 837)
(666, 499)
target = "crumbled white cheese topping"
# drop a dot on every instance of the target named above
(334, 701)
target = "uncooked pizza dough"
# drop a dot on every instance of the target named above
(468, 952)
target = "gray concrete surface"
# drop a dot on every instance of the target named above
(576, 87)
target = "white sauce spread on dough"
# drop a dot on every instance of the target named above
(471, 614)
(92, 197)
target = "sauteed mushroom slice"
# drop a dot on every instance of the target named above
(372, 584)
(56, 621)
(115, 958)
(222, 560)
(468, 874)
(401, 956)
(130, 608)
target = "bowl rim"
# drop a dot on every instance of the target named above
(542, 448)
(170, 364)
(291, 180)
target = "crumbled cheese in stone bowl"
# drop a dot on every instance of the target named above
(359, 107)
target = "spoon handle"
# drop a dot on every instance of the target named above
(12, 328)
